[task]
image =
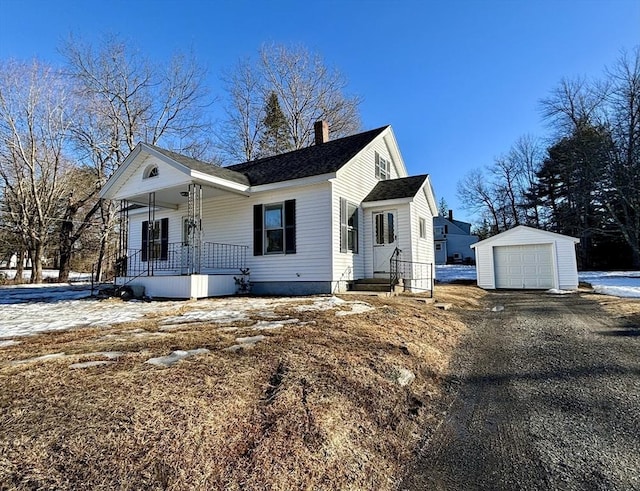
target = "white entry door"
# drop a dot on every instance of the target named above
(385, 239)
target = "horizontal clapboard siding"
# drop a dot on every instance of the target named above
(354, 182)
(229, 219)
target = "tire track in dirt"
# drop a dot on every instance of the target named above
(543, 395)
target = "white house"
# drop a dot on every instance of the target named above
(452, 240)
(313, 220)
(525, 257)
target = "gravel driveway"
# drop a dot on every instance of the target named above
(545, 394)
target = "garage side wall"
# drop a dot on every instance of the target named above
(484, 267)
(566, 261)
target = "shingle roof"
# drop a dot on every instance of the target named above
(213, 170)
(404, 187)
(315, 160)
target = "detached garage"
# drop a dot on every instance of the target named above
(525, 257)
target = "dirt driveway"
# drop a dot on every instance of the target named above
(544, 395)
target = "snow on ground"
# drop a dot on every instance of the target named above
(616, 283)
(446, 273)
(32, 309)
(47, 274)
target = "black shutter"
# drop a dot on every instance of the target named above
(164, 239)
(257, 230)
(290, 226)
(343, 225)
(145, 239)
(356, 230)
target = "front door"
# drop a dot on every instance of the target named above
(385, 240)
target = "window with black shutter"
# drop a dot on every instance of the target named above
(274, 228)
(155, 240)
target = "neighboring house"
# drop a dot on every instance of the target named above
(453, 240)
(525, 257)
(308, 221)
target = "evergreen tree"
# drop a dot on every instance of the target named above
(570, 182)
(275, 135)
(443, 208)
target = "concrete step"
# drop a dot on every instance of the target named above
(370, 287)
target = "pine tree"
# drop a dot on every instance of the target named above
(443, 208)
(275, 135)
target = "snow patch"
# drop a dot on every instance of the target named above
(246, 342)
(356, 308)
(555, 291)
(4, 343)
(89, 364)
(268, 325)
(618, 291)
(52, 356)
(175, 357)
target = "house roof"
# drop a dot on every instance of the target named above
(404, 187)
(315, 160)
(193, 164)
(515, 231)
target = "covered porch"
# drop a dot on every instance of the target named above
(161, 246)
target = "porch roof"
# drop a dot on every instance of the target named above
(214, 170)
(404, 187)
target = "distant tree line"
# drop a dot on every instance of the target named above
(585, 182)
(64, 130)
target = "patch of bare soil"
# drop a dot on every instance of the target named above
(315, 405)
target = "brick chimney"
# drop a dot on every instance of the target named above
(451, 215)
(321, 129)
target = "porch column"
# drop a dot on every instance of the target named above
(122, 257)
(194, 259)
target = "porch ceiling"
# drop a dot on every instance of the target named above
(171, 197)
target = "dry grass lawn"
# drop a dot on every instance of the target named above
(627, 309)
(314, 406)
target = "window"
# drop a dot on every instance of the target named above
(438, 247)
(274, 228)
(348, 226)
(422, 223)
(385, 228)
(151, 171)
(383, 167)
(155, 240)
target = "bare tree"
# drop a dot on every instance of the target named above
(623, 189)
(526, 156)
(35, 117)
(574, 103)
(127, 99)
(479, 196)
(306, 89)
(241, 131)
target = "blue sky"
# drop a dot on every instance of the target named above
(458, 80)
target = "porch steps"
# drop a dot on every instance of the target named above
(380, 285)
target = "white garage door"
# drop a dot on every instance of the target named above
(523, 266)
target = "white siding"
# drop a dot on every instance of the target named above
(168, 176)
(566, 261)
(421, 249)
(229, 219)
(175, 225)
(354, 182)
